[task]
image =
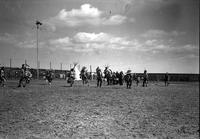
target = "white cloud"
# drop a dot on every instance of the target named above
(114, 20)
(91, 37)
(190, 47)
(8, 38)
(30, 44)
(87, 14)
(63, 41)
(151, 42)
(155, 33)
(84, 41)
(86, 10)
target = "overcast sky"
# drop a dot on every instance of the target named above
(157, 35)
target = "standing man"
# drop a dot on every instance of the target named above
(49, 76)
(145, 79)
(121, 78)
(22, 75)
(71, 76)
(2, 77)
(166, 79)
(128, 78)
(99, 77)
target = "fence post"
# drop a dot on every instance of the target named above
(10, 63)
(10, 68)
(91, 72)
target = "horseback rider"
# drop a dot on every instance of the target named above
(99, 77)
(2, 76)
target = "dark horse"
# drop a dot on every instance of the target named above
(99, 77)
(108, 75)
(128, 80)
(84, 76)
(145, 79)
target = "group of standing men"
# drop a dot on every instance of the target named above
(112, 78)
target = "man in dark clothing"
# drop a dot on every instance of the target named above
(2, 76)
(22, 75)
(99, 77)
(121, 78)
(128, 79)
(166, 79)
(49, 77)
(145, 78)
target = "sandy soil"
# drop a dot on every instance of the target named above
(112, 112)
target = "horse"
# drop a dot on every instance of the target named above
(145, 79)
(108, 76)
(128, 80)
(99, 78)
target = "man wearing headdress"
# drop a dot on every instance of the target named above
(99, 77)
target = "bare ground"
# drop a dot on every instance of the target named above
(59, 112)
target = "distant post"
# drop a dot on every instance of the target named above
(38, 24)
(10, 67)
(10, 63)
(91, 72)
(50, 65)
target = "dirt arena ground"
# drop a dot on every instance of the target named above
(112, 112)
